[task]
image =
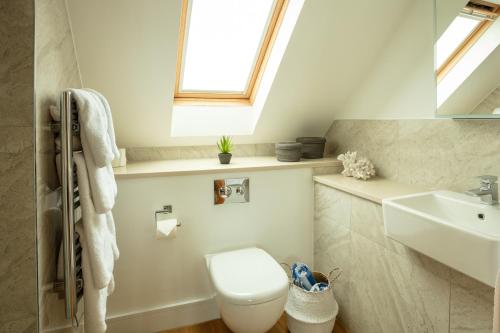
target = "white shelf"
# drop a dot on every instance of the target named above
(210, 166)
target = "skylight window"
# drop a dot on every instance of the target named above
(454, 36)
(463, 33)
(223, 48)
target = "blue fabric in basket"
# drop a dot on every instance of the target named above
(320, 286)
(302, 276)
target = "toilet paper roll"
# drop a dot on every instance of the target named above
(166, 229)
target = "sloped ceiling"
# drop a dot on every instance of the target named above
(127, 49)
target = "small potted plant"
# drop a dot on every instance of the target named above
(225, 147)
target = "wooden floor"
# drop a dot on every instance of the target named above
(218, 326)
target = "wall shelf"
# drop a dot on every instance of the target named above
(212, 166)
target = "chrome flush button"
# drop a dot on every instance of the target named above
(231, 190)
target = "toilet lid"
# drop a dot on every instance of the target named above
(248, 276)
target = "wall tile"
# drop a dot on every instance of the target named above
(332, 205)
(332, 242)
(16, 63)
(18, 301)
(386, 287)
(471, 305)
(327, 170)
(56, 70)
(376, 140)
(436, 153)
(389, 294)
(137, 154)
(18, 304)
(367, 220)
(332, 248)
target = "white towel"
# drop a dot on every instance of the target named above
(95, 123)
(97, 145)
(94, 298)
(102, 185)
(109, 118)
(100, 251)
(496, 306)
(99, 230)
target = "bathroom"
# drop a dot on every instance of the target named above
(413, 248)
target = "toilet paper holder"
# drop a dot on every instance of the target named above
(167, 209)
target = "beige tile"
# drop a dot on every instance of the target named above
(18, 304)
(152, 154)
(332, 206)
(327, 170)
(332, 248)
(389, 294)
(244, 150)
(367, 220)
(428, 152)
(56, 70)
(374, 139)
(332, 245)
(17, 64)
(138, 154)
(265, 149)
(471, 308)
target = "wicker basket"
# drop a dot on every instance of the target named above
(312, 312)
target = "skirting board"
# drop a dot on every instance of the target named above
(159, 319)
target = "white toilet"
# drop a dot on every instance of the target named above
(251, 287)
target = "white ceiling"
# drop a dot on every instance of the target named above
(127, 49)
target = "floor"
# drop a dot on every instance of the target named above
(218, 326)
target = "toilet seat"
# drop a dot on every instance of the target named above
(248, 276)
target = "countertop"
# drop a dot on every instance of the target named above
(212, 165)
(375, 189)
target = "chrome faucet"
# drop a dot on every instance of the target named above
(487, 192)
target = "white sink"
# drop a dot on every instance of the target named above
(451, 227)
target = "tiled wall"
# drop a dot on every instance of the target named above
(438, 154)
(194, 152)
(18, 300)
(387, 287)
(56, 69)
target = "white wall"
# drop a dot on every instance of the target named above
(158, 274)
(401, 83)
(127, 49)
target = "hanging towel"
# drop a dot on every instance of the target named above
(99, 230)
(98, 142)
(109, 118)
(94, 127)
(94, 298)
(496, 306)
(99, 252)
(102, 185)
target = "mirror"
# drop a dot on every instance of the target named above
(467, 58)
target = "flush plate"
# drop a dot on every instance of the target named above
(231, 190)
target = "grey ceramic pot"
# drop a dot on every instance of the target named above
(225, 158)
(288, 151)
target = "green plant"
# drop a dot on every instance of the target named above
(225, 144)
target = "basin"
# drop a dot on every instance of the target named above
(453, 228)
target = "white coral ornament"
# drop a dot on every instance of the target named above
(360, 168)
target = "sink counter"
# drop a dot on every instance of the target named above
(375, 189)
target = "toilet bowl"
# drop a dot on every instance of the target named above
(251, 289)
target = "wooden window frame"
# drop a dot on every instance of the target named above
(248, 96)
(470, 40)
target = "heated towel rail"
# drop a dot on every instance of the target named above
(72, 286)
